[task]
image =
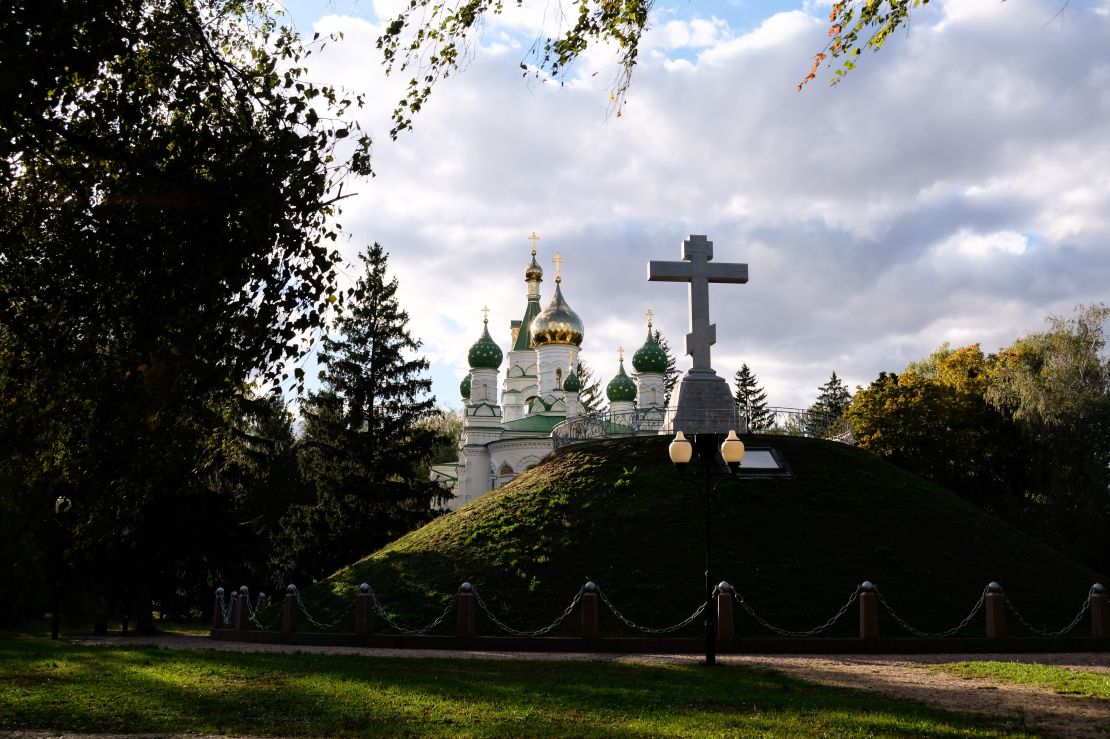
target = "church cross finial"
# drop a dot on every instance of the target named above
(650, 315)
(558, 260)
(620, 352)
(533, 238)
(485, 314)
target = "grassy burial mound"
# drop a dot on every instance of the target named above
(616, 512)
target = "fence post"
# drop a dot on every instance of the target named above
(868, 611)
(996, 612)
(726, 630)
(589, 611)
(217, 610)
(364, 611)
(464, 627)
(1100, 612)
(289, 610)
(239, 609)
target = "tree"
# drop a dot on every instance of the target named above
(591, 396)
(436, 40)
(168, 186)
(368, 441)
(752, 400)
(670, 377)
(821, 419)
(1056, 387)
(933, 420)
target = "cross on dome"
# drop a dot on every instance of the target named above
(533, 238)
(559, 261)
(485, 314)
(650, 315)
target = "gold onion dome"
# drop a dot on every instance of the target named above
(557, 324)
(621, 387)
(464, 387)
(533, 272)
(650, 357)
(485, 353)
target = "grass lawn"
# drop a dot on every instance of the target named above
(57, 685)
(1073, 682)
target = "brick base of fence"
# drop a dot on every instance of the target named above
(676, 645)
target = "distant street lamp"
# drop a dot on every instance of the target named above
(61, 507)
(732, 453)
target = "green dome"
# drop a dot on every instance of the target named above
(572, 384)
(620, 387)
(485, 354)
(464, 387)
(650, 357)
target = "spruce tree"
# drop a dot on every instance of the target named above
(833, 400)
(366, 440)
(591, 396)
(671, 375)
(752, 400)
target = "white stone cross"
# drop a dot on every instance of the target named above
(696, 269)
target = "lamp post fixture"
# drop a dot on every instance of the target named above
(61, 507)
(731, 452)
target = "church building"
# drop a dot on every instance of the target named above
(508, 423)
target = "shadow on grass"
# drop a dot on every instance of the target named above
(63, 686)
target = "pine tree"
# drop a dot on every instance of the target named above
(833, 400)
(591, 396)
(752, 400)
(366, 439)
(671, 375)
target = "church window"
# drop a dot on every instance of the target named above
(559, 376)
(653, 397)
(506, 469)
(485, 391)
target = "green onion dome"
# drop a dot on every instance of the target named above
(650, 357)
(573, 383)
(620, 387)
(485, 353)
(464, 387)
(557, 324)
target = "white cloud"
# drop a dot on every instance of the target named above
(954, 188)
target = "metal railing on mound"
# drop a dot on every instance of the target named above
(609, 424)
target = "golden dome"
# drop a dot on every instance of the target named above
(557, 324)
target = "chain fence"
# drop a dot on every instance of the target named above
(797, 634)
(536, 632)
(940, 634)
(1043, 632)
(292, 590)
(263, 604)
(401, 629)
(644, 629)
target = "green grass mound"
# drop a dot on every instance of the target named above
(615, 512)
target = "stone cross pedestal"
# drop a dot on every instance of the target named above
(704, 400)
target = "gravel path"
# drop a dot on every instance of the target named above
(900, 676)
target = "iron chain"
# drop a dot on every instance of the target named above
(797, 634)
(1041, 632)
(666, 630)
(411, 632)
(940, 634)
(537, 632)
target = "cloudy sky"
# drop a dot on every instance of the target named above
(956, 187)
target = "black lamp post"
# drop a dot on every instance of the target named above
(61, 507)
(732, 452)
